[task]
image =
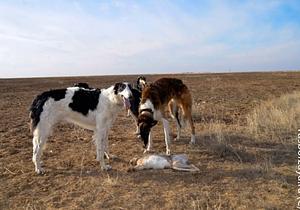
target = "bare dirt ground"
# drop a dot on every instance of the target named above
(251, 173)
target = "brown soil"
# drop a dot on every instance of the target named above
(251, 173)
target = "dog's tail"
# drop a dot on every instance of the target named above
(36, 109)
(174, 111)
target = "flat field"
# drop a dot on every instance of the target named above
(239, 169)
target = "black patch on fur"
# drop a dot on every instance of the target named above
(136, 96)
(39, 101)
(145, 123)
(83, 85)
(85, 100)
(144, 132)
(177, 118)
(138, 84)
(119, 87)
(135, 101)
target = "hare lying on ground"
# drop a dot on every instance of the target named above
(154, 161)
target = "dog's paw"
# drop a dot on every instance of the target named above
(106, 168)
(168, 152)
(111, 157)
(146, 151)
(40, 171)
(177, 139)
(192, 142)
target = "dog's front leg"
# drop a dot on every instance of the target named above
(100, 146)
(137, 131)
(97, 144)
(149, 143)
(107, 154)
(167, 135)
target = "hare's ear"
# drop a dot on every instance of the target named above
(133, 161)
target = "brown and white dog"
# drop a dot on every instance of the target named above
(155, 98)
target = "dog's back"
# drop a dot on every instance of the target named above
(36, 107)
(155, 99)
(83, 85)
(163, 90)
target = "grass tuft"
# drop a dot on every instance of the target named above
(277, 118)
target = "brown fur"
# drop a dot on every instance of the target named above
(161, 93)
(165, 93)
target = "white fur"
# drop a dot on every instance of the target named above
(99, 120)
(149, 143)
(167, 135)
(154, 161)
(147, 105)
(157, 116)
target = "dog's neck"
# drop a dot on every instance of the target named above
(148, 105)
(112, 97)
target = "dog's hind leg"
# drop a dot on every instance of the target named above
(167, 135)
(188, 117)
(178, 125)
(174, 111)
(40, 136)
(191, 122)
(186, 108)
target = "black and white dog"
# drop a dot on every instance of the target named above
(93, 109)
(136, 99)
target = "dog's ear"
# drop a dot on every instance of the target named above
(140, 84)
(116, 87)
(139, 121)
(154, 122)
(130, 87)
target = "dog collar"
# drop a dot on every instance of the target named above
(146, 110)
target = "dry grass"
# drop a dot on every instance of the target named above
(238, 170)
(218, 142)
(111, 181)
(277, 118)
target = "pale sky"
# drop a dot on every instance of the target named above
(69, 37)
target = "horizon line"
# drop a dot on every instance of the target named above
(156, 73)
